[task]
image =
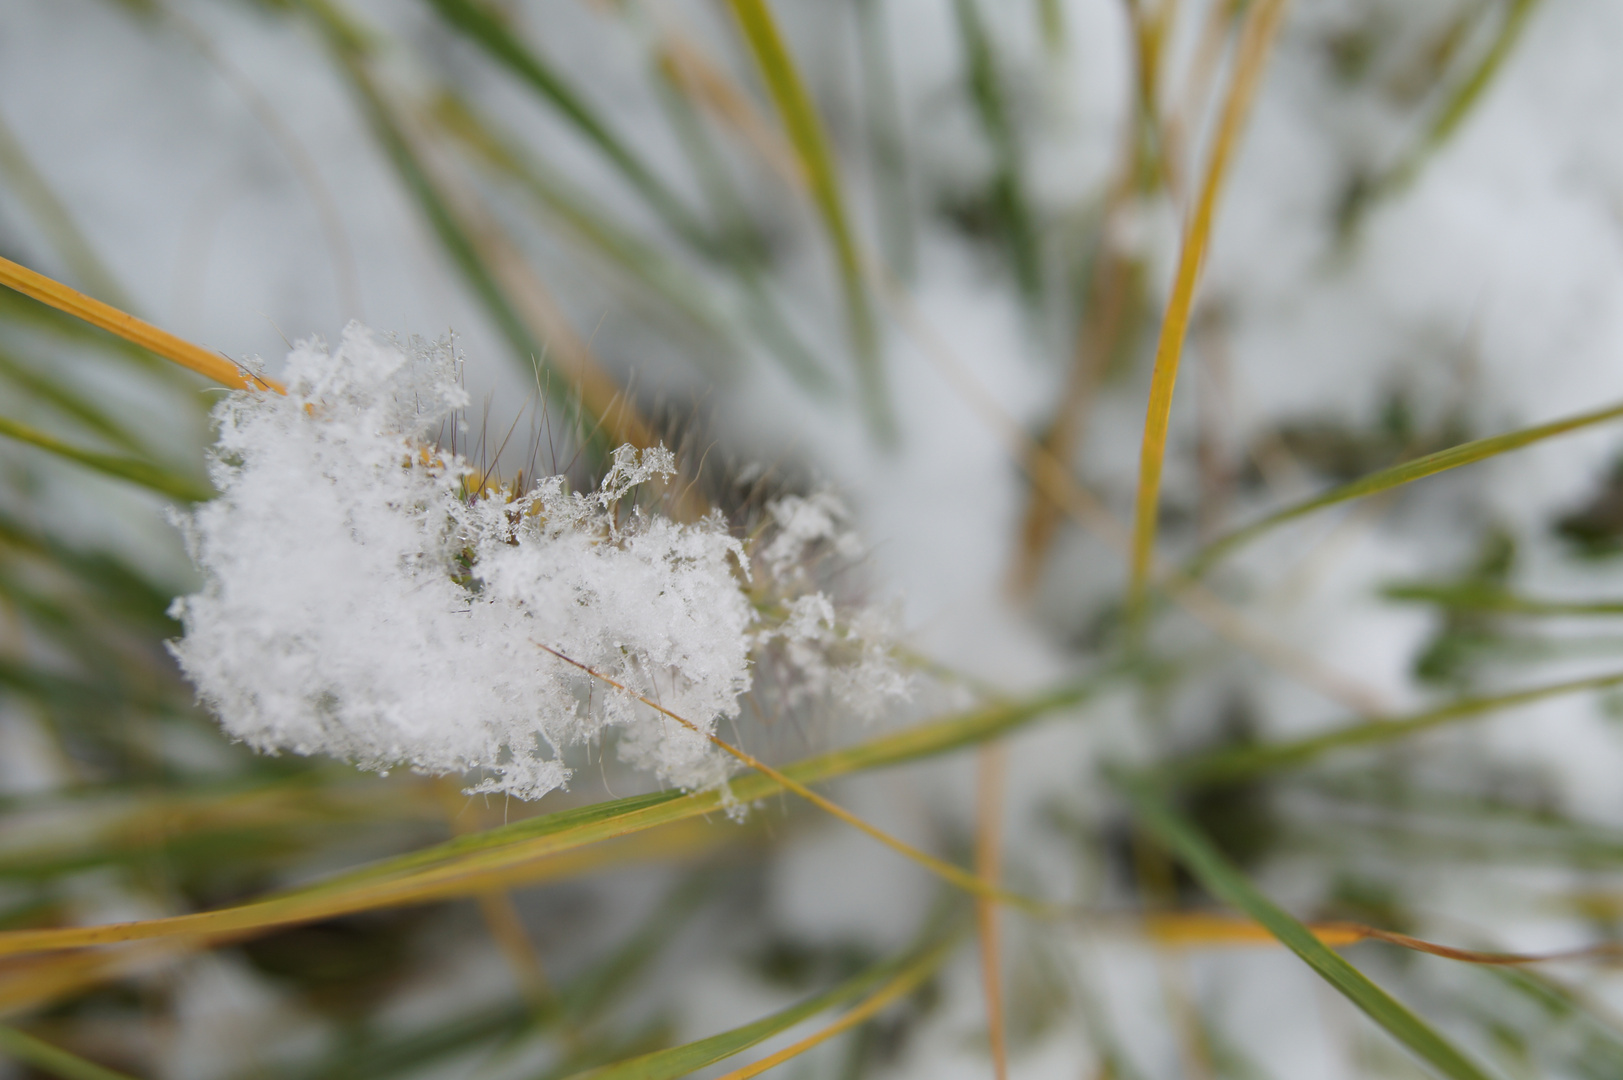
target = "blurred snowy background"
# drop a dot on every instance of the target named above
(1420, 243)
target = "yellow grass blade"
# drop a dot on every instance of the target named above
(193, 357)
(1048, 474)
(1200, 930)
(988, 867)
(1261, 26)
(901, 984)
(519, 852)
(953, 875)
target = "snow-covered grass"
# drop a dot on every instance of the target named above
(872, 295)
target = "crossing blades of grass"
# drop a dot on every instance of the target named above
(689, 87)
(1224, 882)
(1229, 765)
(888, 981)
(468, 864)
(805, 129)
(134, 470)
(1396, 476)
(585, 221)
(480, 25)
(498, 276)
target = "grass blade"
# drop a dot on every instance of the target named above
(1450, 115)
(689, 84)
(1469, 92)
(1499, 601)
(811, 145)
(53, 217)
(901, 984)
(492, 269)
(1226, 883)
(1262, 23)
(589, 223)
(892, 980)
(1408, 472)
(887, 148)
(134, 470)
(25, 377)
(52, 1060)
(1008, 184)
(128, 327)
(1229, 765)
(485, 29)
(479, 861)
(989, 784)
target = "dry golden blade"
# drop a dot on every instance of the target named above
(193, 357)
(989, 868)
(946, 871)
(1261, 27)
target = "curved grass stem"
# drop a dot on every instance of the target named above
(1262, 24)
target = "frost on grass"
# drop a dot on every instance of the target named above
(359, 602)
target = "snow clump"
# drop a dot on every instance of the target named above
(359, 601)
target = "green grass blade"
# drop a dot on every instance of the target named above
(1245, 761)
(1455, 108)
(678, 1061)
(1469, 92)
(25, 377)
(1008, 183)
(482, 26)
(805, 130)
(1398, 475)
(633, 813)
(568, 829)
(425, 192)
(1051, 17)
(741, 246)
(887, 149)
(442, 870)
(51, 1060)
(588, 223)
(594, 989)
(134, 470)
(576, 1005)
(1227, 884)
(34, 191)
(1499, 601)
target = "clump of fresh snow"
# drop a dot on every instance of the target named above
(815, 655)
(360, 602)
